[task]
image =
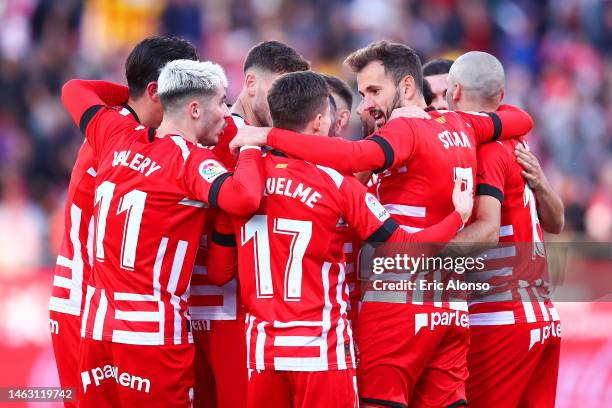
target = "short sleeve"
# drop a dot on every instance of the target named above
(203, 176)
(397, 140)
(365, 213)
(485, 126)
(492, 170)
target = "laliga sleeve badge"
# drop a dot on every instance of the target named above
(211, 169)
(376, 207)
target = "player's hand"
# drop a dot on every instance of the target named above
(532, 172)
(409, 112)
(249, 136)
(463, 201)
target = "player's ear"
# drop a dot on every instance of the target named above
(457, 92)
(343, 119)
(408, 85)
(316, 124)
(250, 83)
(151, 91)
(194, 110)
(501, 95)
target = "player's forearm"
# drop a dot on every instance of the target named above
(79, 95)
(222, 263)
(241, 193)
(550, 209)
(515, 122)
(474, 238)
(479, 231)
(222, 150)
(443, 231)
(343, 155)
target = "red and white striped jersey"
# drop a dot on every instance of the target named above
(76, 254)
(423, 158)
(351, 249)
(517, 268)
(291, 270)
(148, 212)
(208, 301)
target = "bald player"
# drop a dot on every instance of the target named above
(514, 327)
(435, 72)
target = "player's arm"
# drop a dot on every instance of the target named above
(343, 155)
(506, 123)
(83, 98)
(391, 145)
(237, 193)
(483, 232)
(222, 251)
(374, 224)
(549, 204)
(91, 105)
(485, 226)
(222, 148)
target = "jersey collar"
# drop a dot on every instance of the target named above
(275, 152)
(132, 111)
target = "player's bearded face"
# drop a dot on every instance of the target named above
(380, 96)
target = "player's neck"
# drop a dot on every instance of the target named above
(142, 110)
(243, 108)
(476, 106)
(417, 101)
(170, 127)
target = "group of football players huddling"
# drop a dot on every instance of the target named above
(210, 253)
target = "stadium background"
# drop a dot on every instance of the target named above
(558, 60)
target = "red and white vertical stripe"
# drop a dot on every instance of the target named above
(321, 345)
(73, 264)
(155, 318)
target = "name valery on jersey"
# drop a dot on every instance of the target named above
(138, 162)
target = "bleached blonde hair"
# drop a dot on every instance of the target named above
(181, 78)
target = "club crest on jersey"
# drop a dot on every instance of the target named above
(211, 169)
(376, 207)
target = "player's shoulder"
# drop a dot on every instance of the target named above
(444, 116)
(500, 151)
(402, 123)
(334, 176)
(437, 120)
(499, 146)
(117, 114)
(322, 176)
(127, 125)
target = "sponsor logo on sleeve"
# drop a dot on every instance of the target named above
(376, 207)
(211, 169)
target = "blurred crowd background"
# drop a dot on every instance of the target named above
(557, 55)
